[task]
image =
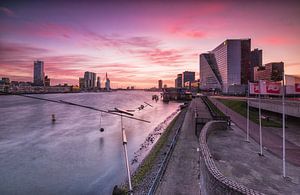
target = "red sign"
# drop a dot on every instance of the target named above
(273, 88)
(256, 87)
(297, 87)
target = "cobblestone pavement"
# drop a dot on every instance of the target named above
(271, 141)
(182, 173)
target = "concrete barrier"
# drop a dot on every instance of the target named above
(292, 108)
(211, 179)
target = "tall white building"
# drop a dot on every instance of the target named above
(227, 66)
(107, 83)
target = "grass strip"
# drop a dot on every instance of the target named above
(150, 159)
(214, 108)
(240, 107)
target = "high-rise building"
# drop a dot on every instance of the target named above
(47, 81)
(256, 60)
(229, 65)
(107, 83)
(98, 83)
(178, 81)
(89, 80)
(272, 71)
(187, 78)
(160, 84)
(81, 83)
(38, 73)
(6, 80)
(210, 77)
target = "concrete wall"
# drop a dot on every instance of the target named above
(211, 179)
(292, 108)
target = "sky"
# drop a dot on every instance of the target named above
(139, 42)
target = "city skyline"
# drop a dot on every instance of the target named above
(138, 42)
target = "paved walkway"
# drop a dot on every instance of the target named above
(271, 141)
(238, 161)
(182, 173)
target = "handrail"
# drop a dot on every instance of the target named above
(164, 164)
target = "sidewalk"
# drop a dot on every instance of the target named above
(238, 161)
(271, 141)
(182, 173)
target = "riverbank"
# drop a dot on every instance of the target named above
(144, 176)
(82, 159)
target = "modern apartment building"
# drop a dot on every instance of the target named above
(272, 71)
(226, 67)
(178, 81)
(89, 80)
(188, 77)
(256, 61)
(210, 77)
(160, 84)
(38, 73)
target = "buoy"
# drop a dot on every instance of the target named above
(101, 129)
(53, 118)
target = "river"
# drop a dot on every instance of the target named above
(71, 156)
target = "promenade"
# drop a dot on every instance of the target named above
(238, 161)
(271, 141)
(182, 173)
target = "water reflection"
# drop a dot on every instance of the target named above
(101, 142)
(41, 157)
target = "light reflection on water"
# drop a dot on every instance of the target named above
(70, 156)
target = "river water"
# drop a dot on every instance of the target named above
(71, 156)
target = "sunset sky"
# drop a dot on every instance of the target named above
(138, 42)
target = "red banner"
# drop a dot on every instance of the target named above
(254, 88)
(273, 88)
(270, 88)
(297, 87)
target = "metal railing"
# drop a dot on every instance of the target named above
(164, 163)
(215, 115)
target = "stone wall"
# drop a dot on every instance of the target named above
(212, 180)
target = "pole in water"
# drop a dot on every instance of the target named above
(53, 118)
(124, 139)
(101, 128)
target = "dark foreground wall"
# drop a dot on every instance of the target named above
(212, 180)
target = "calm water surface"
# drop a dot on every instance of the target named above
(70, 156)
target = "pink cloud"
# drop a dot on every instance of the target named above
(196, 34)
(277, 40)
(7, 11)
(116, 40)
(163, 57)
